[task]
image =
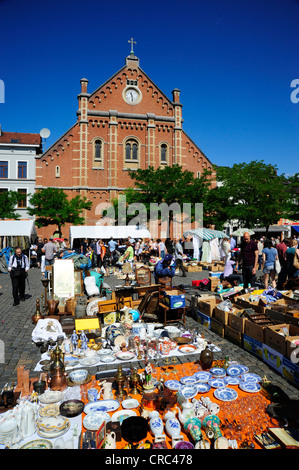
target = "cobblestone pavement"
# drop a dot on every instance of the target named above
(16, 332)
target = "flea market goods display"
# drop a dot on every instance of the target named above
(170, 407)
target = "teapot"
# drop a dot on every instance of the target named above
(28, 422)
(188, 411)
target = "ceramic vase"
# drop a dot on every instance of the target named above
(193, 426)
(156, 427)
(206, 358)
(115, 335)
(173, 427)
(211, 423)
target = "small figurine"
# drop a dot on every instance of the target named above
(74, 339)
(83, 341)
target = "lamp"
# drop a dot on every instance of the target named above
(127, 269)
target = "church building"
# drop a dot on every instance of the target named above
(125, 124)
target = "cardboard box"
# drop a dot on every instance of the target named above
(207, 304)
(217, 327)
(276, 339)
(234, 336)
(253, 346)
(223, 316)
(193, 269)
(174, 298)
(236, 321)
(214, 281)
(254, 331)
(203, 319)
(272, 358)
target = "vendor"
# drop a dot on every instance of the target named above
(164, 268)
(128, 254)
(229, 275)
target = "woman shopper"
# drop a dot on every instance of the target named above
(270, 255)
(291, 252)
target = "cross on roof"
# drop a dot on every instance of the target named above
(131, 41)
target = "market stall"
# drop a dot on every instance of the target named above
(17, 233)
(206, 240)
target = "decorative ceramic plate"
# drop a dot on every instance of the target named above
(71, 408)
(218, 372)
(188, 391)
(130, 403)
(202, 376)
(173, 384)
(49, 410)
(52, 423)
(231, 380)
(203, 387)
(102, 405)
(121, 415)
(187, 348)
(251, 378)
(89, 361)
(50, 396)
(92, 307)
(226, 394)
(38, 444)
(104, 352)
(93, 421)
(248, 386)
(234, 371)
(125, 355)
(216, 383)
(244, 369)
(107, 358)
(190, 380)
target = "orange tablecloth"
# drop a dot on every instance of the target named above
(238, 421)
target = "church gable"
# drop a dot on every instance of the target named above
(130, 91)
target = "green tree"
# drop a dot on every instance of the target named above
(293, 191)
(8, 203)
(51, 206)
(252, 193)
(169, 185)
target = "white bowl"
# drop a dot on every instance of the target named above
(78, 376)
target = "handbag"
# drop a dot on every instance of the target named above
(277, 266)
(296, 261)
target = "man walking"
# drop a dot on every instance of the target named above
(18, 267)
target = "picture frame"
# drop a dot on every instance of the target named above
(78, 279)
(63, 278)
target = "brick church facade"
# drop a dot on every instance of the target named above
(127, 123)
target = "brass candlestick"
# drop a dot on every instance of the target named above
(45, 283)
(135, 382)
(120, 379)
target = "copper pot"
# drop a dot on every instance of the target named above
(58, 381)
(52, 306)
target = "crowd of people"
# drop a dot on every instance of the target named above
(277, 259)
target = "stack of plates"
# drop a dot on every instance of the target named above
(8, 431)
(52, 426)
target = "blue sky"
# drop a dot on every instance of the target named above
(233, 61)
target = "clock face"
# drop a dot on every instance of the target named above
(132, 96)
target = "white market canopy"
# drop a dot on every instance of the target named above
(108, 231)
(16, 232)
(205, 233)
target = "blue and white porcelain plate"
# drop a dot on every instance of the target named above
(225, 394)
(231, 380)
(202, 376)
(251, 378)
(173, 384)
(218, 372)
(217, 383)
(244, 369)
(189, 380)
(203, 387)
(188, 391)
(234, 371)
(251, 387)
(93, 421)
(102, 405)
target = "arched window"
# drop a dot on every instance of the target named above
(132, 150)
(98, 150)
(163, 153)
